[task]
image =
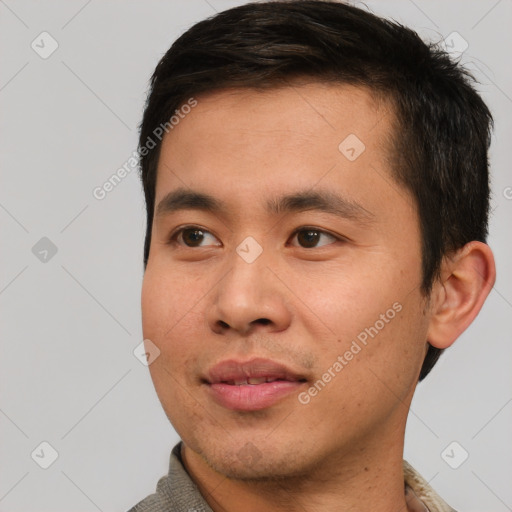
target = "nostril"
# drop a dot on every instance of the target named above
(222, 325)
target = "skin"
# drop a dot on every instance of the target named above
(300, 306)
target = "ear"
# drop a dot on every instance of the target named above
(467, 277)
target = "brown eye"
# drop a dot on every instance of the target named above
(308, 238)
(192, 237)
(195, 237)
(311, 238)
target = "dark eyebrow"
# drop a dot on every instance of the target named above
(325, 201)
(182, 199)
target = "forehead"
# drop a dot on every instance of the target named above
(319, 106)
(281, 137)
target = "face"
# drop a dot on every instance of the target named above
(283, 282)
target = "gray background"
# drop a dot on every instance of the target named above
(70, 323)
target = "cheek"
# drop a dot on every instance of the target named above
(362, 380)
(392, 352)
(168, 298)
(345, 304)
(157, 303)
(168, 320)
(377, 328)
(173, 319)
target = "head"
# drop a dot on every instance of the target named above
(272, 117)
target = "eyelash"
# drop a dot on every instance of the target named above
(176, 233)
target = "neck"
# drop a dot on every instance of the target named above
(370, 475)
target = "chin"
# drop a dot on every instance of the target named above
(256, 461)
(264, 471)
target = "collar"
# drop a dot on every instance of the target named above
(419, 495)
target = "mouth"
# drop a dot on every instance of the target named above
(251, 385)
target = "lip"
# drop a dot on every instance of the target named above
(251, 385)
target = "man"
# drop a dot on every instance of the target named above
(317, 196)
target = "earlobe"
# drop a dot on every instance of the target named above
(467, 277)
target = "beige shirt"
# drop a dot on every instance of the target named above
(419, 496)
(176, 492)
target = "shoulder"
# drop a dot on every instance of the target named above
(175, 492)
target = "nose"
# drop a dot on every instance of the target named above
(249, 298)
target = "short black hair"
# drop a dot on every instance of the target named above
(442, 126)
